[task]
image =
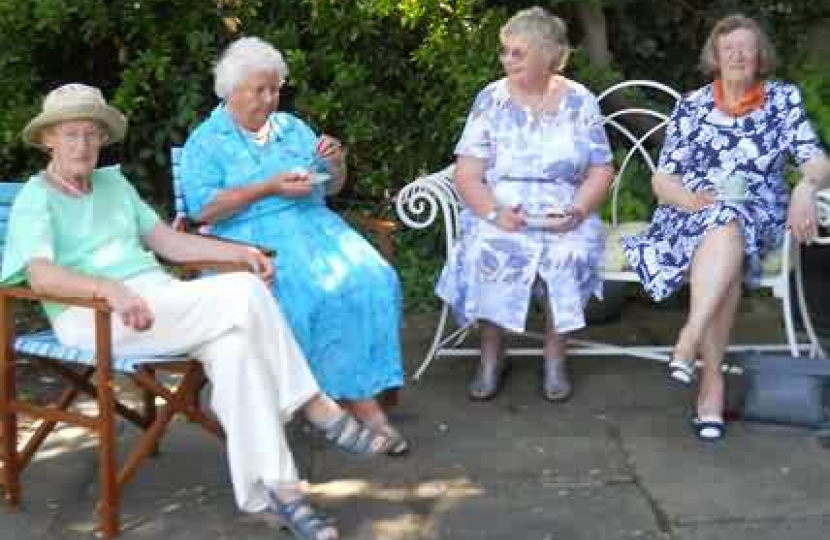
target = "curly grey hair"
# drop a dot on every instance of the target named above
(241, 59)
(541, 30)
(709, 63)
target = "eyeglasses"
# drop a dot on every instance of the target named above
(265, 91)
(512, 53)
(734, 50)
(92, 138)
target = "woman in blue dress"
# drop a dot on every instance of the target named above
(261, 176)
(724, 199)
(533, 166)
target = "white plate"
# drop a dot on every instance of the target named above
(318, 177)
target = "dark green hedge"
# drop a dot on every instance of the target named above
(392, 78)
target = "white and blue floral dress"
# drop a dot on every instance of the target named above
(538, 162)
(703, 144)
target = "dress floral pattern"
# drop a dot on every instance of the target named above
(341, 298)
(538, 162)
(704, 145)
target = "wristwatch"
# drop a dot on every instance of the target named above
(492, 215)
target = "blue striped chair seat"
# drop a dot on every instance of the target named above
(45, 344)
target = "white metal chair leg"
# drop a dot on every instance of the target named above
(436, 340)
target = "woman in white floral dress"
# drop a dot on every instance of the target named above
(533, 165)
(740, 126)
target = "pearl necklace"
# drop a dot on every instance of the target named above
(262, 136)
(65, 185)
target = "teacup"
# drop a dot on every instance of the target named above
(731, 187)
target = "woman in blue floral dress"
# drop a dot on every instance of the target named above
(256, 175)
(738, 130)
(533, 165)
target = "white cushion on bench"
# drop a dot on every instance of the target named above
(614, 259)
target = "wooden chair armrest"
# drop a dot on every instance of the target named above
(219, 266)
(376, 225)
(191, 226)
(25, 293)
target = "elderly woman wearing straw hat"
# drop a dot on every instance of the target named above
(261, 176)
(81, 231)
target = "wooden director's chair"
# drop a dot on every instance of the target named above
(90, 373)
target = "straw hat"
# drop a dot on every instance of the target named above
(76, 101)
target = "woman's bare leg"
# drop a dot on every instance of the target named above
(710, 400)
(487, 380)
(491, 339)
(368, 411)
(715, 267)
(556, 385)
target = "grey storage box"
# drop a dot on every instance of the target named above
(786, 389)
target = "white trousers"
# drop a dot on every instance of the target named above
(233, 325)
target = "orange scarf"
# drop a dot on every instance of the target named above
(752, 99)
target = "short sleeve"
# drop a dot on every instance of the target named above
(302, 138)
(476, 140)
(599, 151)
(201, 177)
(29, 234)
(676, 151)
(146, 218)
(800, 139)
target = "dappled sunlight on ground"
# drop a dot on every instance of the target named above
(436, 497)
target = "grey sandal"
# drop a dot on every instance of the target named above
(353, 437)
(302, 520)
(396, 444)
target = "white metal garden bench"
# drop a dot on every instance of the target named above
(421, 202)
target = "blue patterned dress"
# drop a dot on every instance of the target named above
(703, 144)
(341, 298)
(538, 162)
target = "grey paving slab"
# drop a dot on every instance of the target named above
(57, 475)
(505, 437)
(606, 513)
(808, 528)
(756, 473)
(616, 462)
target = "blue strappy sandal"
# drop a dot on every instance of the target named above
(299, 517)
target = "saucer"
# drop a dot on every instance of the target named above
(542, 221)
(734, 198)
(537, 222)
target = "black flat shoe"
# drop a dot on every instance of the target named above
(487, 382)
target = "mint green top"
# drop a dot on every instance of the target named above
(97, 235)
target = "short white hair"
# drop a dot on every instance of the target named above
(243, 58)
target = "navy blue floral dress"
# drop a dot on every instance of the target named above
(703, 144)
